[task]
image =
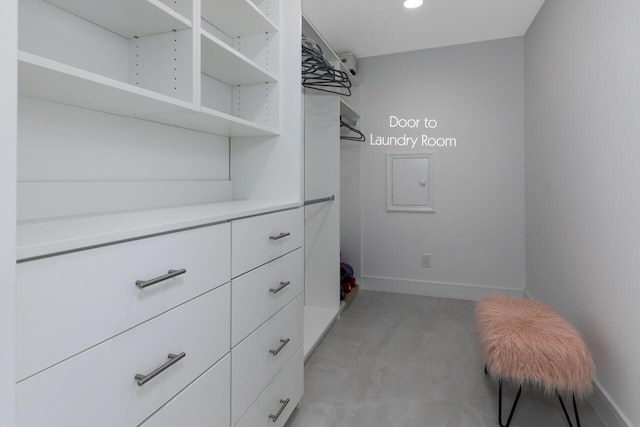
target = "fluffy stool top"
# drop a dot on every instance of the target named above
(529, 342)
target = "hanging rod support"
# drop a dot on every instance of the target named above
(323, 199)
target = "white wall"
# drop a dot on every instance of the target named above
(582, 91)
(8, 120)
(476, 235)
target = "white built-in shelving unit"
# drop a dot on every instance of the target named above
(322, 178)
(219, 67)
(239, 58)
(157, 81)
(223, 63)
(153, 136)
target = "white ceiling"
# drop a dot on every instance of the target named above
(378, 27)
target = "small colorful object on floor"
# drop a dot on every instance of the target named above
(346, 274)
(347, 280)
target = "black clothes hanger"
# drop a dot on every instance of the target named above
(359, 138)
(319, 74)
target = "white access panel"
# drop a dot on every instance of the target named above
(410, 182)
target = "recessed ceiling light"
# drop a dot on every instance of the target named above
(412, 4)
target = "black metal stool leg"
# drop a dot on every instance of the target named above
(513, 408)
(575, 410)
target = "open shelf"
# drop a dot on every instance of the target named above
(237, 17)
(223, 63)
(354, 80)
(347, 110)
(129, 18)
(308, 30)
(238, 126)
(213, 121)
(39, 238)
(50, 80)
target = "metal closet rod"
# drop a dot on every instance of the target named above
(321, 200)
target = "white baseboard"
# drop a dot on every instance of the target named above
(601, 402)
(434, 289)
(607, 410)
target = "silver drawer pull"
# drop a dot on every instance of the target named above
(275, 417)
(279, 288)
(280, 347)
(172, 273)
(173, 358)
(279, 236)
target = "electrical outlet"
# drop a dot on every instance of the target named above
(426, 260)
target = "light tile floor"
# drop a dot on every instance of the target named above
(406, 361)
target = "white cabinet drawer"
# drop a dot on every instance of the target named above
(67, 303)
(98, 387)
(258, 240)
(205, 403)
(286, 388)
(253, 363)
(260, 293)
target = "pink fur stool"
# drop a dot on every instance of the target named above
(528, 342)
